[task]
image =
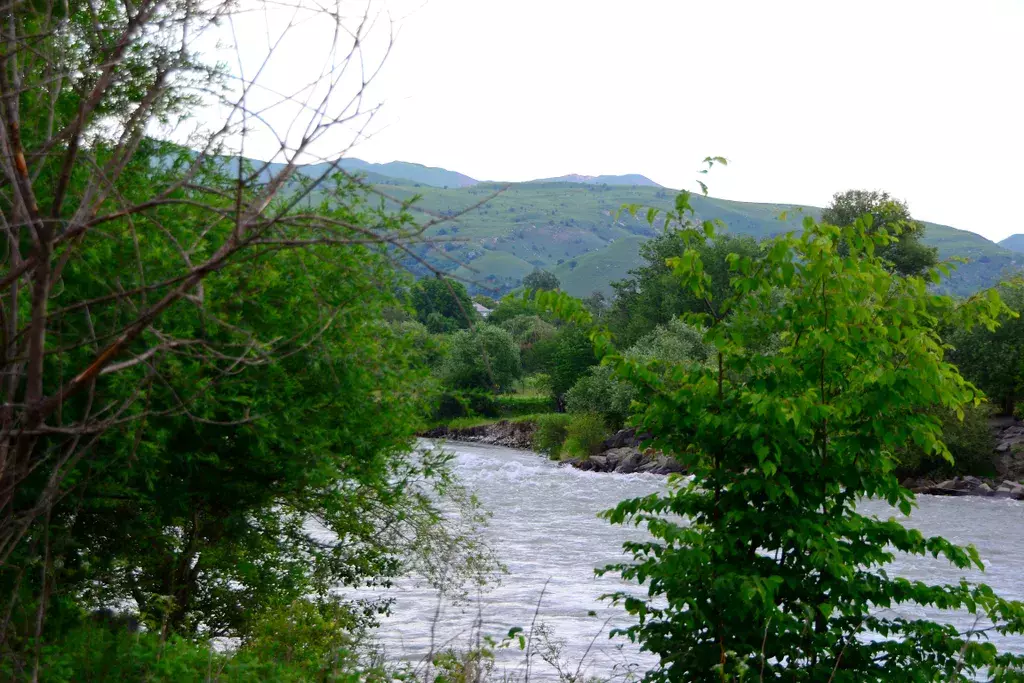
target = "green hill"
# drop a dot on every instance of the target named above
(577, 231)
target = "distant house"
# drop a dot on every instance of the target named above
(482, 310)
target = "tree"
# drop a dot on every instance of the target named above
(193, 354)
(775, 575)
(994, 359)
(536, 339)
(651, 296)
(906, 253)
(442, 304)
(573, 354)
(600, 392)
(541, 279)
(484, 357)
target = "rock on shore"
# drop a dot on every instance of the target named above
(621, 453)
(1008, 435)
(504, 433)
(968, 486)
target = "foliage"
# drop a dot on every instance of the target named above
(304, 649)
(200, 353)
(511, 405)
(536, 339)
(671, 343)
(456, 403)
(775, 575)
(601, 392)
(485, 357)
(652, 295)
(970, 442)
(994, 359)
(584, 435)
(541, 279)
(550, 433)
(908, 255)
(511, 307)
(573, 355)
(442, 304)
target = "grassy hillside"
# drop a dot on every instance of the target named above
(576, 229)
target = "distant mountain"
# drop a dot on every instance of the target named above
(417, 173)
(573, 226)
(628, 179)
(1014, 243)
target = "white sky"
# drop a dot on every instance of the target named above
(922, 99)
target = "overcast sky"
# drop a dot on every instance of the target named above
(922, 99)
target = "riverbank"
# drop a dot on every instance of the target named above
(621, 453)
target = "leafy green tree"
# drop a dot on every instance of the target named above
(485, 357)
(196, 357)
(541, 279)
(597, 303)
(600, 392)
(994, 359)
(652, 296)
(511, 307)
(574, 354)
(536, 339)
(775, 574)
(674, 342)
(906, 252)
(442, 304)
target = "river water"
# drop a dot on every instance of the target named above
(546, 530)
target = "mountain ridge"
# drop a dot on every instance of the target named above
(576, 230)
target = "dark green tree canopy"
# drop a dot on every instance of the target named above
(484, 357)
(442, 304)
(907, 254)
(541, 279)
(994, 359)
(652, 295)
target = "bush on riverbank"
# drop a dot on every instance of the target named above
(550, 434)
(584, 435)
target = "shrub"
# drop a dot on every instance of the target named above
(585, 435)
(673, 342)
(550, 433)
(485, 357)
(512, 405)
(601, 392)
(452, 404)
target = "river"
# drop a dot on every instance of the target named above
(546, 530)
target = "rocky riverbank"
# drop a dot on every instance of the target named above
(504, 433)
(968, 486)
(620, 453)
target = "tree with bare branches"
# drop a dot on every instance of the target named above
(203, 413)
